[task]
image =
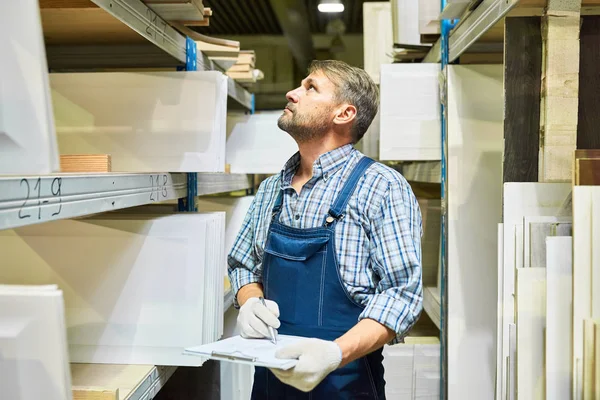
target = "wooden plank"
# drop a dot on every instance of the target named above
(588, 359)
(95, 394)
(531, 320)
(522, 82)
(559, 297)
(169, 10)
(588, 171)
(85, 163)
(66, 4)
(560, 85)
(589, 84)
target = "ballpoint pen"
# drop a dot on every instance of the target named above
(271, 330)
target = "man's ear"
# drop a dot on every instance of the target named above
(344, 114)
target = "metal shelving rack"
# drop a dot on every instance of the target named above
(147, 23)
(470, 29)
(26, 200)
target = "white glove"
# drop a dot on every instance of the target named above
(254, 319)
(316, 359)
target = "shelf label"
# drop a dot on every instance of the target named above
(34, 201)
(159, 187)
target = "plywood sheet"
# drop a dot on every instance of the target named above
(27, 135)
(589, 83)
(409, 113)
(377, 36)
(475, 146)
(559, 303)
(147, 122)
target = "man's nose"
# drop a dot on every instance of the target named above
(292, 95)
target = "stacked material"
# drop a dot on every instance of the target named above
(34, 361)
(409, 114)
(412, 369)
(138, 288)
(186, 12)
(244, 71)
(147, 122)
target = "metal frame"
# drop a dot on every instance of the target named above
(35, 199)
(147, 23)
(469, 30)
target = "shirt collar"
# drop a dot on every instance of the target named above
(323, 167)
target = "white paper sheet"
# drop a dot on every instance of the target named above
(257, 352)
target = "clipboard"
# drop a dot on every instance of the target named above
(256, 352)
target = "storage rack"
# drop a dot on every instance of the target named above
(26, 200)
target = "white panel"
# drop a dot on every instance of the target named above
(27, 137)
(475, 144)
(559, 303)
(535, 231)
(405, 22)
(147, 122)
(410, 112)
(512, 363)
(429, 10)
(255, 145)
(377, 36)
(500, 360)
(586, 260)
(137, 290)
(398, 362)
(33, 349)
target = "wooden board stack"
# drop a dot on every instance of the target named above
(244, 71)
(147, 122)
(34, 360)
(186, 12)
(85, 163)
(586, 167)
(136, 291)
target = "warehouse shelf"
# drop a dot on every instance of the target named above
(472, 28)
(35, 199)
(221, 183)
(432, 305)
(102, 33)
(133, 382)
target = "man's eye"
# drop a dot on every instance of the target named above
(311, 87)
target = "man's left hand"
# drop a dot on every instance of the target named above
(316, 359)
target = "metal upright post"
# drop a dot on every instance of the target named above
(189, 202)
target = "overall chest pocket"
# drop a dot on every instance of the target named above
(294, 269)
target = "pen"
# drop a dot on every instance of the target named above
(271, 330)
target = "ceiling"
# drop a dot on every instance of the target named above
(256, 17)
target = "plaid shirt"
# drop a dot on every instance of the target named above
(378, 243)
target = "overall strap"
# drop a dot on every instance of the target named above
(336, 212)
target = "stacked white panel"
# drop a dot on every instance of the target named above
(137, 289)
(410, 113)
(377, 37)
(405, 22)
(147, 122)
(33, 347)
(27, 137)
(256, 145)
(412, 371)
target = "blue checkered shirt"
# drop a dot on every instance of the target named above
(378, 242)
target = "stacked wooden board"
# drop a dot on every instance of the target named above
(137, 288)
(147, 122)
(85, 163)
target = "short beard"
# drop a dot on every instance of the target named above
(303, 129)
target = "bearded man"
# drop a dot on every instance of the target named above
(333, 243)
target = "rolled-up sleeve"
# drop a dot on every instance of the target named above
(395, 251)
(243, 266)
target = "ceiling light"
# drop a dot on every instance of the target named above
(331, 6)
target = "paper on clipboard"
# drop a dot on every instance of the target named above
(257, 352)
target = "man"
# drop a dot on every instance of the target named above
(333, 243)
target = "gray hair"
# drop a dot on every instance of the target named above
(354, 86)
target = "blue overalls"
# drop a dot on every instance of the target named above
(301, 274)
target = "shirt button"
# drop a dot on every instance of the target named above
(297, 217)
(326, 176)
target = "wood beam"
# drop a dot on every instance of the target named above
(522, 81)
(560, 85)
(588, 136)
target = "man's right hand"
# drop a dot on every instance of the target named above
(254, 318)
